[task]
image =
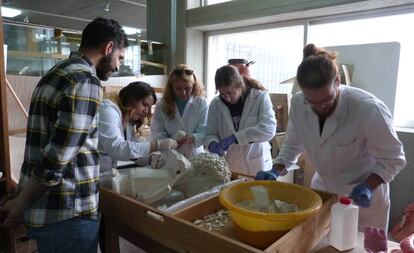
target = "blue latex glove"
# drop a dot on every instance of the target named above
(267, 175)
(226, 142)
(362, 195)
(216, 148)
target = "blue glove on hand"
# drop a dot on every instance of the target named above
(362, 195)
(216, 148)
(226, 142)
(267, 175)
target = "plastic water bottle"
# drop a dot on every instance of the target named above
(344, 225)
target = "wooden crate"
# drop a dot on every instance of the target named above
(283, 101)
(157, 231)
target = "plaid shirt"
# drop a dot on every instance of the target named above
(61, 146)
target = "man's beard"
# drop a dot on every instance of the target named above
(104, 68)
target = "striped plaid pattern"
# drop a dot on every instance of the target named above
(61, 146)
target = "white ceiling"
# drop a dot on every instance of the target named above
(76, 14)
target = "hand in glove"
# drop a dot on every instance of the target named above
(216, 148)
(166, 144)
(276, 171)
(157, 160)
(362, 195)
(267, 175)
(188, 139)
(226, 142)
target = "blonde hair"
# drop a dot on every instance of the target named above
(178, 73)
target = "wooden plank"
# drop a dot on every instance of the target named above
(34, 54)
(155, 64)
(20, 131)
(166, 229)
(7, 235)
(281, 106)
(198, 210)
(309, 234)
(4, 134)
(23, 86)
(151, 229)
(16, 98)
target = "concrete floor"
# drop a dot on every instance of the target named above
(127, 247)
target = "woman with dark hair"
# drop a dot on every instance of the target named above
(241, 122)
(182, 112)
(120, 118)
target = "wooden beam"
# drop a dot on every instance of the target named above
(6, 234)
(33, 54)
(16, 98)
(4, 130)
(242, 10)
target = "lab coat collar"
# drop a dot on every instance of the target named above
(253, 93)
(190, 100)
(332, 122)
(227, 114)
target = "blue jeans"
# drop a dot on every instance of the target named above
(76, 235)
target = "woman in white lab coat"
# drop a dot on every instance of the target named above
(241, 122)
(347, 134)
(182, 112)
(120, 118)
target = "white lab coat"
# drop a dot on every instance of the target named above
(257, 128)
(357, 140)
(193, 121)
(113, 144)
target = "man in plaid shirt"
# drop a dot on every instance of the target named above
(58, 188)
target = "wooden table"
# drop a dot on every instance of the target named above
(155, 231)
(323, 246)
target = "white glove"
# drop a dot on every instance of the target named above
(157, 159)
(142, 161)
(179, 135)
(166, 144)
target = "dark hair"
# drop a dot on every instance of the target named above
(310, 49)
(229, 75)
(318, 67)
(102, 30)
(133, 93)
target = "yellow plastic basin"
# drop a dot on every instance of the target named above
(262, 229)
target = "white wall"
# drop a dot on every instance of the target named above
(402, 187)
(375, 68)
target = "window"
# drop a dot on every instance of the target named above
(277, 53)
(210, 2)
(381, 29)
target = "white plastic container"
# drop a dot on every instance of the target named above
(344, 225)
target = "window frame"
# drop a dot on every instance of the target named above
(322, 19)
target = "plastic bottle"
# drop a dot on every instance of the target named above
(344, 225)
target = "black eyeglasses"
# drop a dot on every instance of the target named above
(179, 72)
